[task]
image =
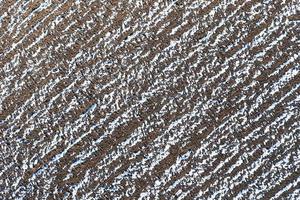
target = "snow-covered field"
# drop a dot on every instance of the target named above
(150, 99)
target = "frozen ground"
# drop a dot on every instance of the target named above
(149, 99)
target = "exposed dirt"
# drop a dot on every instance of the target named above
(149, 99)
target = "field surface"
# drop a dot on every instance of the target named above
(153, 99)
